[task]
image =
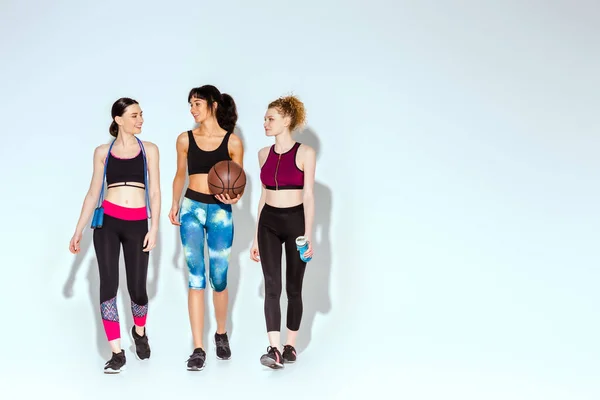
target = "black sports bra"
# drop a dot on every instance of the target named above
(200, 161)
(125, 170)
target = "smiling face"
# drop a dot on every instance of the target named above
(275, 123)
(132, 119)
(199, 109)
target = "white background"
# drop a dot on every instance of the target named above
(456, 199)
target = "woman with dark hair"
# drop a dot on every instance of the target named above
(203, 216)
(131, 170)
(286, 212)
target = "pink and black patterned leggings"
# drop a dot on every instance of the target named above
(125, 227)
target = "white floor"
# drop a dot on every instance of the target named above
(342, 362)
(340, 373)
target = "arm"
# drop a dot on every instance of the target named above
(180, 174)
(236, 152)
(254, 253)
(261, 204)
(262, 157)
(309, 164)
(91, 198)
(154, 183)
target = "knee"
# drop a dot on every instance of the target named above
(219, 266)
(139, 296)
(294, 292)
(196, 278)
(272, 292)
(108, 290)
(219, 283)
(197, 282)
(294, 296)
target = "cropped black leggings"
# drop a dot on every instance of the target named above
(277, 227)
(107, 243)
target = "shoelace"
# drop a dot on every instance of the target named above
(221, 342)
(196, 356)
(114, 361)
(273, 352)
(141, 340)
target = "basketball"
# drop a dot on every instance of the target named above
(227, 177)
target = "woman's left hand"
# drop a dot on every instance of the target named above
(150, 240)
(224, 198)
(309, 252)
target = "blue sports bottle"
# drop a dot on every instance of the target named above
(302, 246)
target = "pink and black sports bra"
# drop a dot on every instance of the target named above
(280, 172)
(121, 171)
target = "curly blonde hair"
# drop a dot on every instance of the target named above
(290, 106)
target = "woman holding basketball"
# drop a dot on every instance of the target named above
(203, 216)
(131, 170)
(286, 212)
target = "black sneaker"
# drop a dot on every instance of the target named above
(116, 364)
(197, 360)
(272, 359)
(222, 344)
(142, 348)
(289, 354)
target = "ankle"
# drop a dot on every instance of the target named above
(278, 347)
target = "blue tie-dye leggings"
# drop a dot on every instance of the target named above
(198, 218)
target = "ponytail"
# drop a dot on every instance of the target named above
(227, 112)
(113, 129)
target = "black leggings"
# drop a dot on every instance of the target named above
(277, 226)
(107, 243)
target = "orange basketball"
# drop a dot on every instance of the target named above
(227, 177)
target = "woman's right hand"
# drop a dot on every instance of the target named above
(174, 215)
(74, 246)
(254, 256)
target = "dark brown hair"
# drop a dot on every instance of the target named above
(118, 108)
(226, 109)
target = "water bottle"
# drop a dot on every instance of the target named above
(302, 246)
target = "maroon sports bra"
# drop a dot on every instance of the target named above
(280, 172)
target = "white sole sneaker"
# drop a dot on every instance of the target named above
(219, 358)
(269, 362)
(134, 346)
(111, 371)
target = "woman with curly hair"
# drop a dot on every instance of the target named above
(286, 212)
